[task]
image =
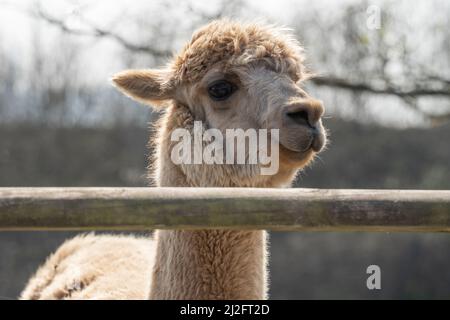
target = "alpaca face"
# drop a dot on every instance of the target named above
(235, 76)
(255, 96)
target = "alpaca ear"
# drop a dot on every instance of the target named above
(149, 86)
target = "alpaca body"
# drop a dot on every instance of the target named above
(120, 267)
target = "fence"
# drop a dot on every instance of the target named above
(232, 208)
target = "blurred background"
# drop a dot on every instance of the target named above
(383, 72)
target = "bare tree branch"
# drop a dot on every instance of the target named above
(100, 33)
(95, 31)
(390, 90)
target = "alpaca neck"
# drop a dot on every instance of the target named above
(208, 264)
(204, 264)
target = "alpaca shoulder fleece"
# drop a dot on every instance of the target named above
(95, 267)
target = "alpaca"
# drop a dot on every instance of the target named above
(230, 75)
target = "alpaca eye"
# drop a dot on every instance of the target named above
(221, 90)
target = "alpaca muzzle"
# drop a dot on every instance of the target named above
(301, 127)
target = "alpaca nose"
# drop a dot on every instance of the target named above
(305, 112)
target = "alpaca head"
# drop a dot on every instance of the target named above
(233, 75)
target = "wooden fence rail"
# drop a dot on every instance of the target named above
(200, 208)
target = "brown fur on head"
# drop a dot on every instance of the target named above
(264, 66)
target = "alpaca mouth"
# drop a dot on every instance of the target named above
(314, 143)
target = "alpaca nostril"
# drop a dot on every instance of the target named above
(300, 117)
